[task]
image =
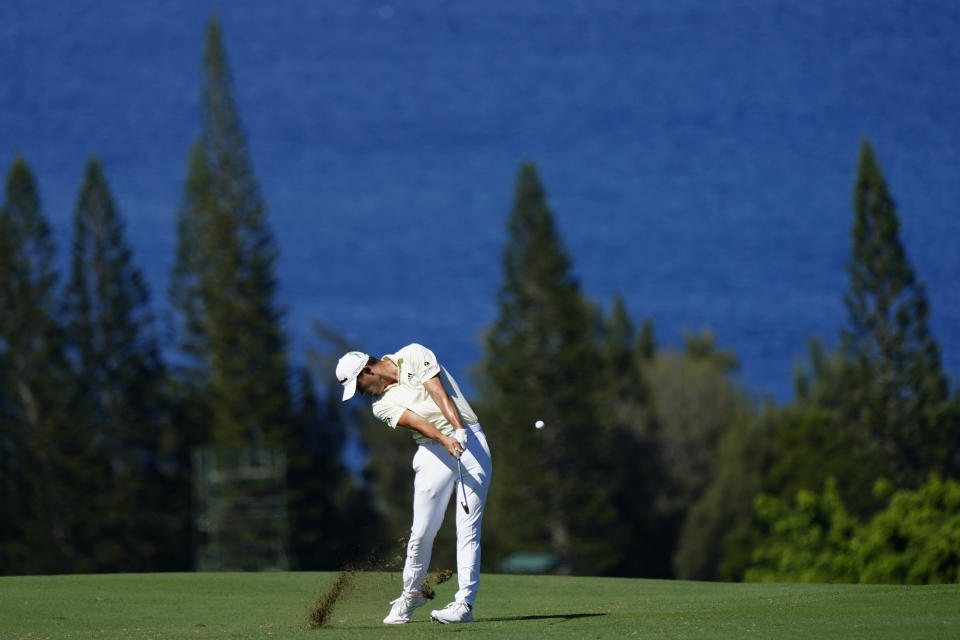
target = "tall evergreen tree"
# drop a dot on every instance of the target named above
(235, 387)
(553, 489)
(898, 381)
(619, 345)
(43, 527)
(332, 518)
(625, 402)
(878, 406)
(120, 379)
(223, 284)
(818, 435)
(383, 462)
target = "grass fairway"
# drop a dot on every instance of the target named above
(278, 605)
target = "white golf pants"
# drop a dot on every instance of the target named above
(436, 479)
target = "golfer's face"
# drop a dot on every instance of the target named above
(367, 383)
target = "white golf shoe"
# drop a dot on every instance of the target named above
(402, 609)
(453, 613)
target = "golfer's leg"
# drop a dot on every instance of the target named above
(432, 486)
(477, 470)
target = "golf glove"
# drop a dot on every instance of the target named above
(460, 435)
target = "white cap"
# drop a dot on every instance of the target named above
(348, 368)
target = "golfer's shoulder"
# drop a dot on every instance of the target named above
(425, 360)
(414, 349)
(418, 356)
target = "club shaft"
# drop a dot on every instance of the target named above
(463, 489)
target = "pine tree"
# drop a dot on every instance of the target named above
(223, 284)
(44, 446)
(121, 381)
(29, 278)
(645, 347)
(818, 435)
(618, 346)
(624, 401)
(878, 406)
(383, 497)
(625, 394)
(552, 488)
(332, 519)
(898, 383)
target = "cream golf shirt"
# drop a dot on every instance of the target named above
(415, 365)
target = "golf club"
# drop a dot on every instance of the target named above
(463, 489)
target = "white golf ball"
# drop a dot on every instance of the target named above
(538, 424)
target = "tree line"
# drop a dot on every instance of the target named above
(655, 461)
(660, 464)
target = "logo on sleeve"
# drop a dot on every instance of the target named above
(409, 377)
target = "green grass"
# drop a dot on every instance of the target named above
(278, 606)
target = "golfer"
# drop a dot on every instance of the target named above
(411, 389)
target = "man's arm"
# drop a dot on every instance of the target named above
(439, 395)
(418, 423)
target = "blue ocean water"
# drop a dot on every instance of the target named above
(699, 156)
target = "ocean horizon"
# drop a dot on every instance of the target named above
(699, 157)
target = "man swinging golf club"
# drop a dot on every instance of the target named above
(411, 389)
